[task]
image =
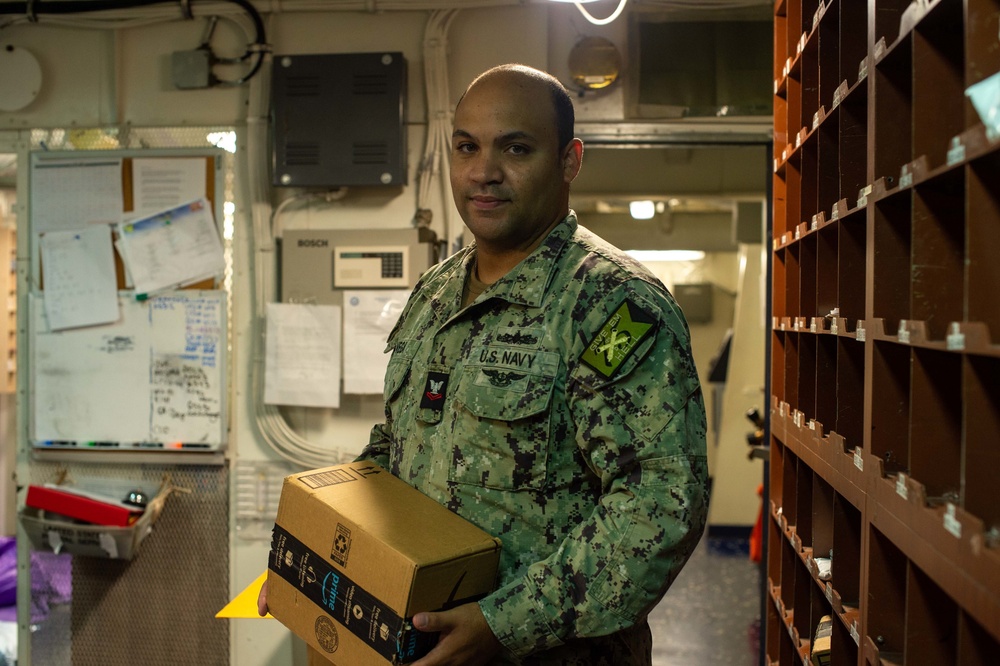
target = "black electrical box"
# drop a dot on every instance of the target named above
(338, 120)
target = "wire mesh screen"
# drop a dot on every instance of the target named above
(158, 607)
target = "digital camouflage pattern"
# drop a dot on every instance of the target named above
(561, 412)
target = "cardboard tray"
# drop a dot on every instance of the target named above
(56, 533)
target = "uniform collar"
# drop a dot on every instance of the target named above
(527, 282)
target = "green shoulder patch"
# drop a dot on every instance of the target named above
(618, 338)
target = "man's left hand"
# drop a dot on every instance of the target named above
(466, 639)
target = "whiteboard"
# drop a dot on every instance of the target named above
(155, 379)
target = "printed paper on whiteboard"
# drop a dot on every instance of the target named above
(173, 248)
(78, 272)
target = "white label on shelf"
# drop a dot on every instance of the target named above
(802, 41)
(863, 69)
(816, 120)
(836, 98)
(854, 633)
(835, 212)
(956, 339)
(863, 195)
(798, 233)
(951, 522)
(859, 462)
(861, 332)
(828, 591)
(905, 176)
(833, 326)
(795, 325)
(817, 15)
(901, 488)
(957, 151)
(812, 424)
(775, 163)
(776, 86)
(879, 49)
(798, 140)
(812, 325)
(904, 332)
(781, 410)
(815, 222)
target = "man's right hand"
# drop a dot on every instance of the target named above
(262, 600)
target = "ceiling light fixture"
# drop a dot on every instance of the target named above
(596, 21)
(666, 255)
(642, 210)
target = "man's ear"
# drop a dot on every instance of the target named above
(572, 160)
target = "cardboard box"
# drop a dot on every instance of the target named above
(357, 552)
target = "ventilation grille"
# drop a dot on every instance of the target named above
(302, 153)
(303, 86)
(339, 120)
(370, 84)
(370, 153)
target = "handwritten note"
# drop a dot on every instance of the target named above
(156, 376)
(78, 268)
(185, 378)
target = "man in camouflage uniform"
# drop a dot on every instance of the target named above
(541, 385)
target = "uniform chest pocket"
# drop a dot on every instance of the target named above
(502, 427)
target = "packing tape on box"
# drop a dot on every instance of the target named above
(349, 604)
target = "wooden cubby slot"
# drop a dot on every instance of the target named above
(981, 451)
(936, 423)
(885, 340)
(938, 252)
(939, 74)
(890, 429)
(826, 391)
(892, 243)
(893, 110)
(983, 242)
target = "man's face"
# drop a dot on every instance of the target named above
(509, 178)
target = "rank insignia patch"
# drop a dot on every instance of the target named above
(434, 391)
(618, 338)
